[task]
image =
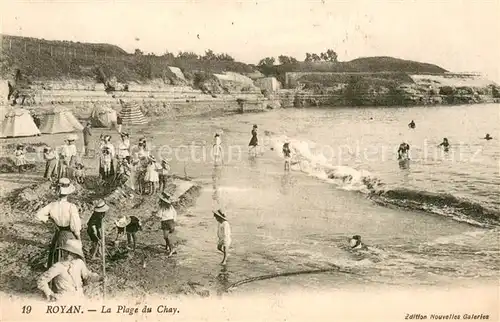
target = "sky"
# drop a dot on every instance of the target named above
(460, 36)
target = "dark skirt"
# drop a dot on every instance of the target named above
(168, 225)
(61, 235)
(253, 141)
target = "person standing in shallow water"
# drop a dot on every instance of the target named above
(445, 144)
(254, 141)
(287, 154)
(223, 234)
(167, 215)
(65, 216)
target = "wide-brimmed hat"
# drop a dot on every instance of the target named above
(166, 197)
(123, 222)
(220, 214)
(107, 137)
(152, 158)
(101, 206)
(142, 140)
(73, 246)
(255, 126)
(47, 148)
(65, 186)
(71, 137)
(124, 134)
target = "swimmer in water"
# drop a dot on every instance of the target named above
(488, 137)
(445, 144)
(355, 243)
(411, 125)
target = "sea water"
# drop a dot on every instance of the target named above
(437, 225)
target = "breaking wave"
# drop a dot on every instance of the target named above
(307, 159)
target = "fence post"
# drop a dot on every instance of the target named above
(10, 44)
(24, 47)
(39, 48)
(51, 51)
(64, 51)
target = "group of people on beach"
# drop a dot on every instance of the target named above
(66, 264)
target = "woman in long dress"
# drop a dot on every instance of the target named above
(65, 216)
(254, 141)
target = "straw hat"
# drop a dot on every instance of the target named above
(166, 197)
(123, 222)
(101, 206)
(73, 246)
(66, 187)
(71, 137)
(220, 214)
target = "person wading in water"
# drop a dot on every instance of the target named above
(66, 218)
(254, 142)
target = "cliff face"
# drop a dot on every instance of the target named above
(391, 90)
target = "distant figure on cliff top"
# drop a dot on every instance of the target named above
(445, 144)
(488, 137)
(411, 125)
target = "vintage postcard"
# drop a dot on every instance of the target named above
(263, 160)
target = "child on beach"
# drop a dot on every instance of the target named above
(223, 234)
(167, 215)
(130, 225)
(94, 227)
(79, 173)
(20, 158)
(163, 174)
(152, 177)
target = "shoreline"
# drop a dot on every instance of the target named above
(170, 276)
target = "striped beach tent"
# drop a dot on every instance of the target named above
(131, 114)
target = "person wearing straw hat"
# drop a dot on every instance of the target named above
(131, 225)
(94, 226)
(163, 174)
(124, 146)
(223, 234)
(50, 158)
(65, 216)
(167, 215)
(67, 275)
(151, 177)
(68, 155)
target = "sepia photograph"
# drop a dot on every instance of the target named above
(251, 160)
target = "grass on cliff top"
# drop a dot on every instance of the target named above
(41, 59)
